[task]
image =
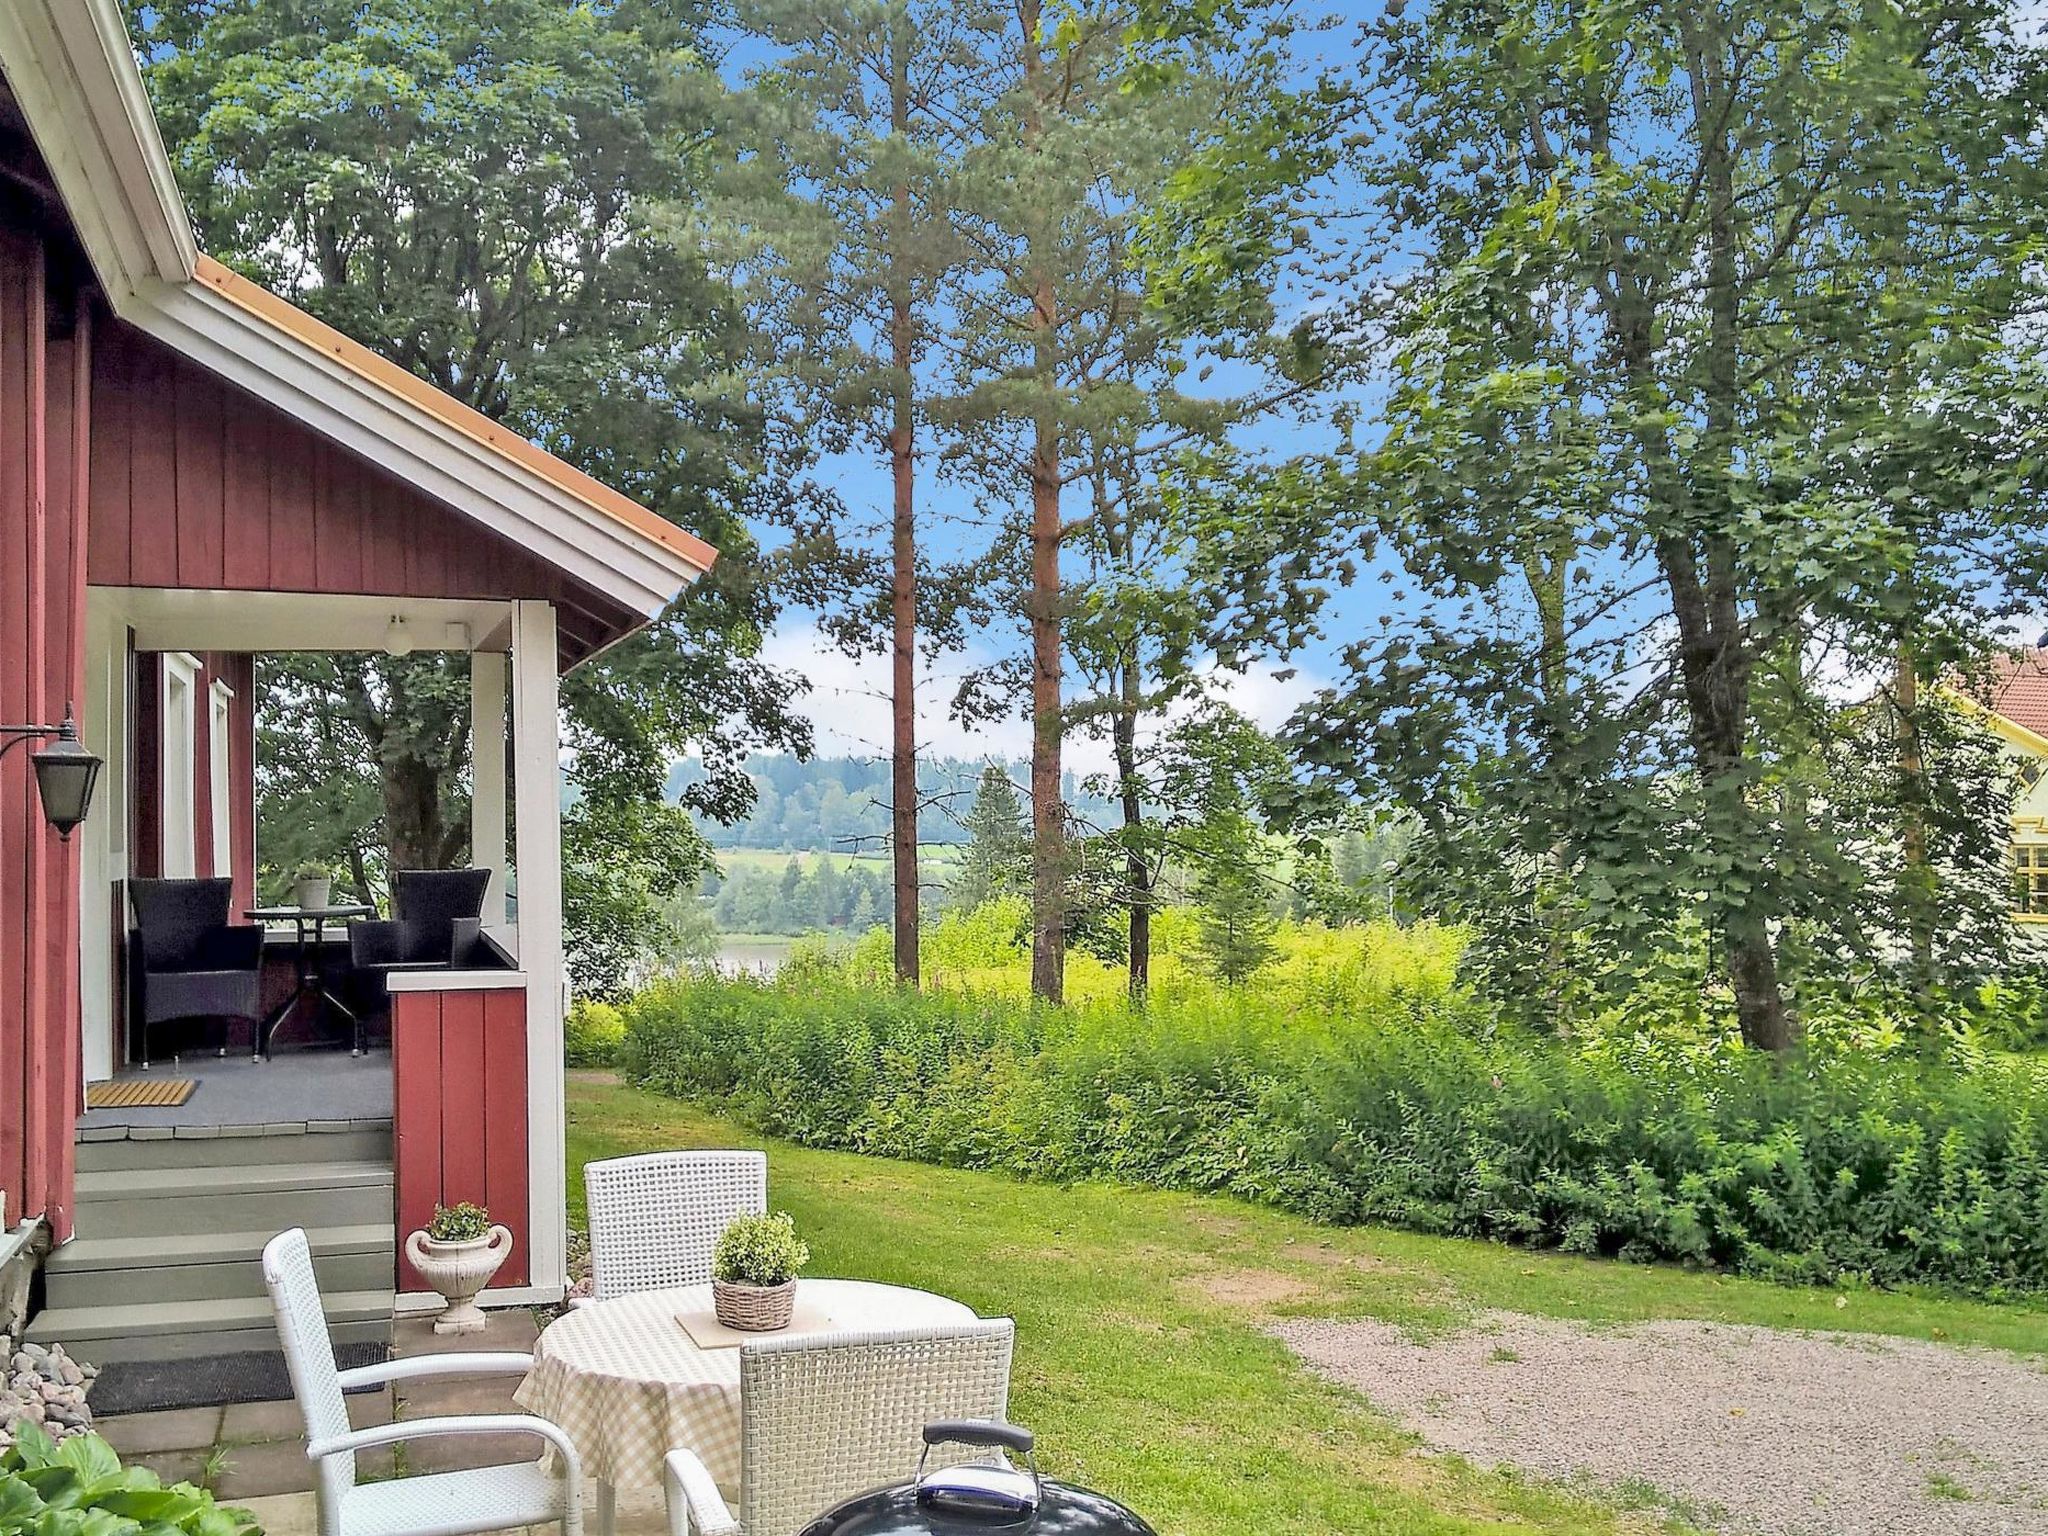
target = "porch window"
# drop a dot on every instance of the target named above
(2030, 879)
(221, 699)
(180, 737)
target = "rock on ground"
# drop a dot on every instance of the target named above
(1742, 1428)
(45, 1386)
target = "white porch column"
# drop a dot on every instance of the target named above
(487, 676)
(103, 860)
(536, 749)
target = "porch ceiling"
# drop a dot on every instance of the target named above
(181, 619)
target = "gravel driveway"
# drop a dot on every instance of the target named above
(1744, 1429)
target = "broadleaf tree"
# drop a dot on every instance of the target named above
(477, 192)
(1707, 338)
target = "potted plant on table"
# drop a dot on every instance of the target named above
(753, 1272)
(457, 1253)
(313, 886)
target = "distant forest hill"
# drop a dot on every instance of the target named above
(842, 803)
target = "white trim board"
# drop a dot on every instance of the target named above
(454, 981)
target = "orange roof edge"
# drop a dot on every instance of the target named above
(450, 412)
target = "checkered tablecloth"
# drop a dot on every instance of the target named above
(629, 1384)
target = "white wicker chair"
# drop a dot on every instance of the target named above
(655, 1218)
(832, 1415)
(440, 1504)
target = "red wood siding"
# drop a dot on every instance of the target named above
(145, 767)
(196, 484)
(458, 1062)
(42, 416)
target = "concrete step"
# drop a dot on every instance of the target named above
(170, 1202)
(360, 1143)
(180, 1330)
(207, 1266)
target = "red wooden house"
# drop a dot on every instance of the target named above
(193, 472)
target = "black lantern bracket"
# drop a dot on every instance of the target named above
(65, 770)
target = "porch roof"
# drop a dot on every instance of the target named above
(70, 69)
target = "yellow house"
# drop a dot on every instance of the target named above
(2014, 704)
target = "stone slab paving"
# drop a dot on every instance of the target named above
(1745, 1429)
(253, 1453)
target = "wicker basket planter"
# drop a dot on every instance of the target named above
(753, 1308)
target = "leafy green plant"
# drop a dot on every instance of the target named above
(1837, 1165)
(591, 1034)
(759, 1250)
(80, 1488)
(312, 869)
(459, 1223)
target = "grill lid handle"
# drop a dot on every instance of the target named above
(987, 1433)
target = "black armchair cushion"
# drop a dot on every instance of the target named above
(437, 922)
(175, 918)
(439, 913)
(376, 943)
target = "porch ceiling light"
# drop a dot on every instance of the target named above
(65, 771)
(397, 638)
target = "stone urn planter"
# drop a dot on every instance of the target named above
(458, 1269)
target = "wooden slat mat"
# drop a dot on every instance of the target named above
(140, 1093)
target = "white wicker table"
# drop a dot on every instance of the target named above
(629, 1384)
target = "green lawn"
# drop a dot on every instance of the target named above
(1140, 1361)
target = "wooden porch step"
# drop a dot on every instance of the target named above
(235, 1197)
(208, 1266)
(109, 1151)
(176, 1330)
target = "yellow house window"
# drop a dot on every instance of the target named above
(2030, 879)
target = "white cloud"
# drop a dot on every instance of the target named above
(848, 704)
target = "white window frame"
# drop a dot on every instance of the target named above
(220, 723)
(179, 723)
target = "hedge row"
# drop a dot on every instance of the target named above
(1842, 1169)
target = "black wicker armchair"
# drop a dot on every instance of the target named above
(186, 961)
(436, 924)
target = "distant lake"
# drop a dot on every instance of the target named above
(753, 955)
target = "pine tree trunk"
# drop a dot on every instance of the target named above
(903, 579)
(1048, 821)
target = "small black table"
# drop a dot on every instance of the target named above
(311, 926)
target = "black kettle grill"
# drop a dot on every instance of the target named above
(973, 1499)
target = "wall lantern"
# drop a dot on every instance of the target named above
(65, 771)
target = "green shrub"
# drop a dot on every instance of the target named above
(80, 1488)
(591, 1034)
(1425, 1113)
(759, 1250)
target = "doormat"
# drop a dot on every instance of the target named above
(208, 1381)
(140, 1093)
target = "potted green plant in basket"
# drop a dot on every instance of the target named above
(753, 1272)
(457, 1253)
(313, 885)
